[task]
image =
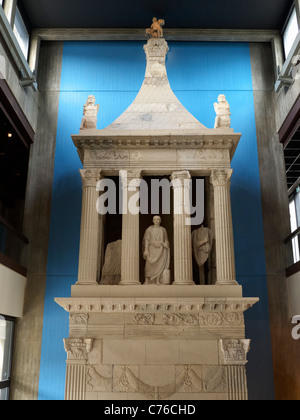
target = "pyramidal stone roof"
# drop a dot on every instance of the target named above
(156, 107)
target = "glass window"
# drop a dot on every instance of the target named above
(21, 33)
(6, 344)
(290, 32)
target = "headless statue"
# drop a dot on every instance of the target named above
(111, 272)
(202, 245)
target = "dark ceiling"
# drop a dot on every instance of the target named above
(14, 157)
(212, 14)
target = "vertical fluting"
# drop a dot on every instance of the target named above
(225, 263)
(183, 266)
(237, 383)
(89, 233)
(75, 382)
(130, 230)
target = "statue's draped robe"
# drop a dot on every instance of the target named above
(158, 259)
(111, 272)
(202, 252)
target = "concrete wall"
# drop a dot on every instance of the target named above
(12, 286)
(276, 218)
(27, 98)
(27, 349)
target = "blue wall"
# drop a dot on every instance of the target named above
(114, 72)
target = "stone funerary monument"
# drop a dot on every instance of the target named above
(156, 312)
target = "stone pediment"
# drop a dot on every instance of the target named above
(156, 118)
(156, 107)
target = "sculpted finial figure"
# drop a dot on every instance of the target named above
(156, 252)
(90, 111)
(156, 28)
(111, 272)
(202, 245)
(222, 109)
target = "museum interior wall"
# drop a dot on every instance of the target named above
(114, 72)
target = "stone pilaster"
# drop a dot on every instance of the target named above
(130, 268)
(225, 263)
(77, 350)
(89, 233)
(233, 354)
(183, 265)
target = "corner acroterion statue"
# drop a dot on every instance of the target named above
(222, 109)
(156, 28)
(90, 112)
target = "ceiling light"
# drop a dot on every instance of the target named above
(9, 135)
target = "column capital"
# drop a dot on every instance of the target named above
(181, 175)
(234, 352)
(78, 348)
(221, 177)
(127, 176)
(90, 177)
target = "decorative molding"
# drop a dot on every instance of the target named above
(78, 319)
(144, 319)
(188, 139)
(181, 319)
(166, 305)
(99, 378)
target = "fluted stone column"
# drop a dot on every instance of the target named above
(225, 263)
(183, 265)
(130, 267)
(233, 355)
(89, 233)
(77, 350)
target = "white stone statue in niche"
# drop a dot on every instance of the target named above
(90, 113)
(202, 245)
(222, 109)
(156, 252)
(111, 272)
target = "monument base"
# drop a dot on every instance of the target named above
(150, 348)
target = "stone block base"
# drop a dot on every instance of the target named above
(174, 349)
